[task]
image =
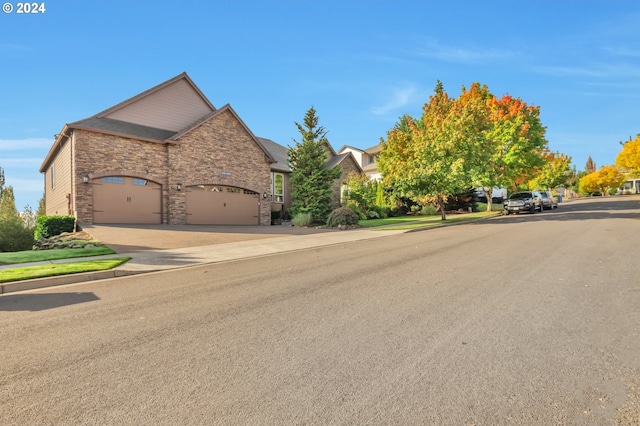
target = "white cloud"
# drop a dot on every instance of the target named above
(597, 70)
(623, 51)
(27, 144)
(27, 162)
(436, 50)
(399, 98)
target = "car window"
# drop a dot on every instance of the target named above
(521, 195)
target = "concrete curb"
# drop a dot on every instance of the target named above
(37, 283)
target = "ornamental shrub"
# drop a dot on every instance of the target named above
(302, 219)
(15, 235)
(50, 226)
(342, 216)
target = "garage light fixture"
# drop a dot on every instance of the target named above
(265, 195)
(85, 179)
(178, 187)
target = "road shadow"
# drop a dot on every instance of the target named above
(41, 302)
(605, 208)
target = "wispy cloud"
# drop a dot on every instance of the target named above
(463, 54)
(591, 70)
(399, 98)
(6, 48)
(26, 144)
(27, 163)
(623, 51)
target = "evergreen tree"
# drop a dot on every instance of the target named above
(42, 207)
(311, 181)
(590, 167)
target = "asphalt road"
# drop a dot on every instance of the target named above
(531, 319)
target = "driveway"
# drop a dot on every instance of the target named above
(137, 238)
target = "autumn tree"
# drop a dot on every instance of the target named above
(556, 171)
(605, 179)
(590, 166)
(311, 181)
(428, 158)
(629, 157)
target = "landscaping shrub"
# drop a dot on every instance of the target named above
(372, 214)
(429, 210)
(15, 235)
(50, 226)
(302, 219)
(342, 216)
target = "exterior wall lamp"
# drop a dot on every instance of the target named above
(265, 195)
(178, 186)
(85, 179)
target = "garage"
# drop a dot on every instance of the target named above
(221, 205)
(124, 199)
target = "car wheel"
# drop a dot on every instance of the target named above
(533, 209)
(506, 212)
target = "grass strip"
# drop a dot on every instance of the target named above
(27, 256)
(426, 224)
(55, 269)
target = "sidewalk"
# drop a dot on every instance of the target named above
(158, 260)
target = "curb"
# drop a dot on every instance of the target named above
(37, 283)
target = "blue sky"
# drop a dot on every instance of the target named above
(361, 64)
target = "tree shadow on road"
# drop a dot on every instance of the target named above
(41, 302)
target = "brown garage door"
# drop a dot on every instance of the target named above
(123, 199)
(221, 205)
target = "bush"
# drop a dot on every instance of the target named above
(50, 226)
(15, 235)
(429, 210)
(372, 214)
(302, 219)
(342, 216)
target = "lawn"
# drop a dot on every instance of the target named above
(27, 256)
(413, 222)
(51, 270)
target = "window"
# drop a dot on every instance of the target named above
(53, 176)
(277, 187)
(139, 181)
(112, 179)
(344, 194)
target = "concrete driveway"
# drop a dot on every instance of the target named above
(137, 238)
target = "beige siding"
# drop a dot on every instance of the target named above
(58, 197)
(172, 108)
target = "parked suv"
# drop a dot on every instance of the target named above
(528, 201)
(548, 200)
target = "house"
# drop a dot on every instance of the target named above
(366, 159)
(165, 156)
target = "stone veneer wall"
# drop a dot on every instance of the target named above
(98, 155)
(348, 166)
(219, 152)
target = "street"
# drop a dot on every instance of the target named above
(521, 319)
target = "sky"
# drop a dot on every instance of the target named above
(360, 64)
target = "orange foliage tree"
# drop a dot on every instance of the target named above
(605, 179)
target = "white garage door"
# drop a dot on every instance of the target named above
(123, 199)
(221, 205)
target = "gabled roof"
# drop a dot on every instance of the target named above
(170, 105)
(227, 107)
(279, 153)
(339, 158)
(345, 147)
(108, 125)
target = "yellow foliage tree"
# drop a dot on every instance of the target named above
(629, 157)
(602, 181)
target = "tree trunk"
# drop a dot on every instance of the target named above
(489, 194)
(441, 204)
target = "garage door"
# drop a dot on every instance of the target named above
(221, 205)
(122, 199)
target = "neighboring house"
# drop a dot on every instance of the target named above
(366, 158)
(165, 156)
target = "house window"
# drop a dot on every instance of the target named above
(277, 187)
(139, 181)
(344, 194)
(53, 176)
(112, 179)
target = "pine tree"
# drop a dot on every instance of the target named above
(590, 166)
(311, 181)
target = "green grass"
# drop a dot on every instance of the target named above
(414, 222)
(52, 270)
(495, 207)
(27, 256)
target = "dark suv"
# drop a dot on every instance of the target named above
(528, 201)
